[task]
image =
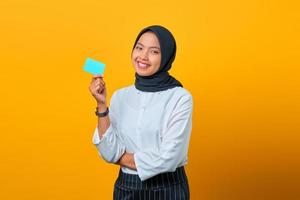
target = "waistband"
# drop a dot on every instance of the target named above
(133, 181)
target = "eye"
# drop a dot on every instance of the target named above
(138, 48)
(155, 52)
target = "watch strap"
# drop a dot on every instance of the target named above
(102, 114)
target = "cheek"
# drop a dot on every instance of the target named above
(133, 56)
(156, 64)
(158, 60)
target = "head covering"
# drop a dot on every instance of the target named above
(161, 80)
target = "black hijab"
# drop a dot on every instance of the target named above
(161, 80)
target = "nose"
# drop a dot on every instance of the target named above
(144, 55)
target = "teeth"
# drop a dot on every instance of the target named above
(142, 65)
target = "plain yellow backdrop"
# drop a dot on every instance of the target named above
(239, 59)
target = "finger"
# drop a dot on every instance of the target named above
(102, 82)
(99, 82)
(97, 87)
(96, 82)
(97, 76)
(96, 90)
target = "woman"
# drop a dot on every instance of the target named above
(147, 128)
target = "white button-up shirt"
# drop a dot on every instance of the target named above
(155, 126)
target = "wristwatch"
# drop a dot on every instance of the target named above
(103, 114)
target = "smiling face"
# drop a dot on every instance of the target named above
(146, 55)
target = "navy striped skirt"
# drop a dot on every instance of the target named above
(164, 186)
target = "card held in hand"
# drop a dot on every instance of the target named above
(94, 67)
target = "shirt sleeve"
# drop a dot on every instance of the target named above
(174, 146)
(110, 147)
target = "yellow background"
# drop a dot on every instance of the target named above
(239, 59)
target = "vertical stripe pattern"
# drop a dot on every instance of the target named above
(164, 186)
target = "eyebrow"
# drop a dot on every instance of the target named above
(138, 43)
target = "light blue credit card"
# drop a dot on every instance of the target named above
(94, 67)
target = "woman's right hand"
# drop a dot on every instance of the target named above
(98, 89)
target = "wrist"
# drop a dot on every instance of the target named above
(101, 107)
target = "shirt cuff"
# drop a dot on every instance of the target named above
(142, 172)
(96, 137)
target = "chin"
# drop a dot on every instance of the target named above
(143, 73)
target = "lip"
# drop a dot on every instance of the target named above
(142, 65)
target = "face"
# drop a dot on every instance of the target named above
(146, 55)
